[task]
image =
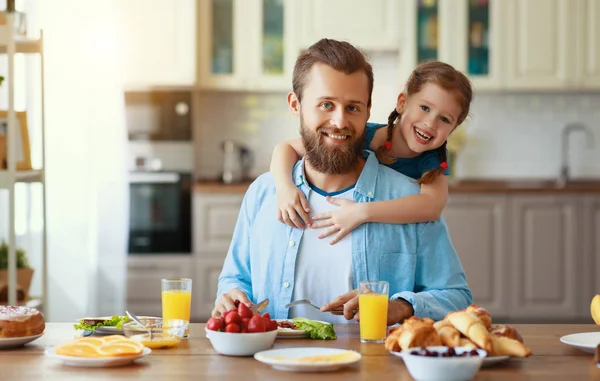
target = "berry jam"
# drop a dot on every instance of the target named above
(448, 353)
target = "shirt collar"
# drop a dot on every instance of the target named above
(365, 184)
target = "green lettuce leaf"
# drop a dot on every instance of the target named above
(315, 329)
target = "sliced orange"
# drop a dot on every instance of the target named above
(112, 338)
(77, 350)
(95, 341)
(120, 349)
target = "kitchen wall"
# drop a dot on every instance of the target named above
(509, 135)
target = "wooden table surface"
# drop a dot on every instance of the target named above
(195, 359)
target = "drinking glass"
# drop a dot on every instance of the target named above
(176, 299)
(373, 307)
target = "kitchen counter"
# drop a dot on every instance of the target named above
(196, 359)
(462, 186)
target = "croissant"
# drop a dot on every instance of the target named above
(418, 332)
(472, 327)
(391, 342)
(506, 331)
(464, 342)
(448, 334)
(507, 346)
(481, 313)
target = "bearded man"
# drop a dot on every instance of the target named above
(332, 87)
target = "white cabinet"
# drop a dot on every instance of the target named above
(246, 44)
(159, 42)
(214, 219)
(144, 273)
(477, 226)
(590, 271)
(546, 257)
(540, 49)
(589, 44)
(371, 25)
(207, 271)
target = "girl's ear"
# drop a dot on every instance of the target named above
(293, 103)
(400, 103)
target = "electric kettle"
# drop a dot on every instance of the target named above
(237, 162)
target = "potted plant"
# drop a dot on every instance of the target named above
(24, 274)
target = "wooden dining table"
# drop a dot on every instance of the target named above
(195, 359)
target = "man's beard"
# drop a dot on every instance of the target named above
(328, 158)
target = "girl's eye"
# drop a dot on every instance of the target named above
(424, 108)
(445, 120)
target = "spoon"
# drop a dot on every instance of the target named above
(137, 320)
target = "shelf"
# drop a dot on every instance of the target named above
(23, 44)
(32, 176)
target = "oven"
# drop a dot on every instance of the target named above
(160, 219)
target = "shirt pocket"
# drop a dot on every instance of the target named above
(399, 269)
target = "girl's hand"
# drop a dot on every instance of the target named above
(292, 208)
(342, 220)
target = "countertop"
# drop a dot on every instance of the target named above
(195, 359)
(462, 186)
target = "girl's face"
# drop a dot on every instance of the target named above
(428, 117)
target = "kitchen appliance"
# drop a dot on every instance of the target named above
(160, 213)
(159, 115)
(237, 162)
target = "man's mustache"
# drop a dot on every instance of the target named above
(335, 131)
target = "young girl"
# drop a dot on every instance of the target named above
(436, 100)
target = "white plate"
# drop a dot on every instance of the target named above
(14, 342)
(288, 333)
(586, 341)
(96, 362)
(112, 330)
(487, 361)
(273, 357)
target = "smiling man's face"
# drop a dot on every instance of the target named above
(333, 114)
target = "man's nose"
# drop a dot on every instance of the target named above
(339, 119)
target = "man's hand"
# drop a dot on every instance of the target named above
(398, 310)
(227, 300)
(349, 302)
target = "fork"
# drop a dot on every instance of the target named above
(308, 302)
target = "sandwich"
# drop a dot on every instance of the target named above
(91, 323)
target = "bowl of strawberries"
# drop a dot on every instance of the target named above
(241, 332)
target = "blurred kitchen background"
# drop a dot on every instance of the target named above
(159, 113)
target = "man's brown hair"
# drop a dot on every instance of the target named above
(339, 55)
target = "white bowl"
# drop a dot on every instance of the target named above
(423, 368)
(240, 344)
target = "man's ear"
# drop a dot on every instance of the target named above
(293, 103)
(400, 103)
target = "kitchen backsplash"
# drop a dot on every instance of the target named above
(509, 135)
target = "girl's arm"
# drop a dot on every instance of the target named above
(422, 207)
(292, 207)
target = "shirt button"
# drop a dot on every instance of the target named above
(286, 284)
(291, 243)
(370, 194)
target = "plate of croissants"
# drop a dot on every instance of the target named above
(471, 327)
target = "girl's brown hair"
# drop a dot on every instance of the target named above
(449, 79)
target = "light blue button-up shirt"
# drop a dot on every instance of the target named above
(418, 260)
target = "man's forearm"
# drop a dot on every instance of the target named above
(435, 304)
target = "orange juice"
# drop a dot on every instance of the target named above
(176, 304)
(373, 316)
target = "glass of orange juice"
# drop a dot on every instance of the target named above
(176, 299)
(373, 307)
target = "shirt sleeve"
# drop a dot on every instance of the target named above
(236, 269)
(431, 160)
(440, 281)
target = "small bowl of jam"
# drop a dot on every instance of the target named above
(442, 363)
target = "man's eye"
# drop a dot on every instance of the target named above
(352, 108)
(445, 120)
(326, 105)
(425, 108)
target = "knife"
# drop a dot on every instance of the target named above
(258, 308)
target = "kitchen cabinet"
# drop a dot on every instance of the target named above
(246, 44)
(370, 25)
(144, 273)
(214, 219)
(159, 43)
(477, 226)
(207, 271)
(546, 257)
(588, 43)
(540, 48)
(590, 271)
